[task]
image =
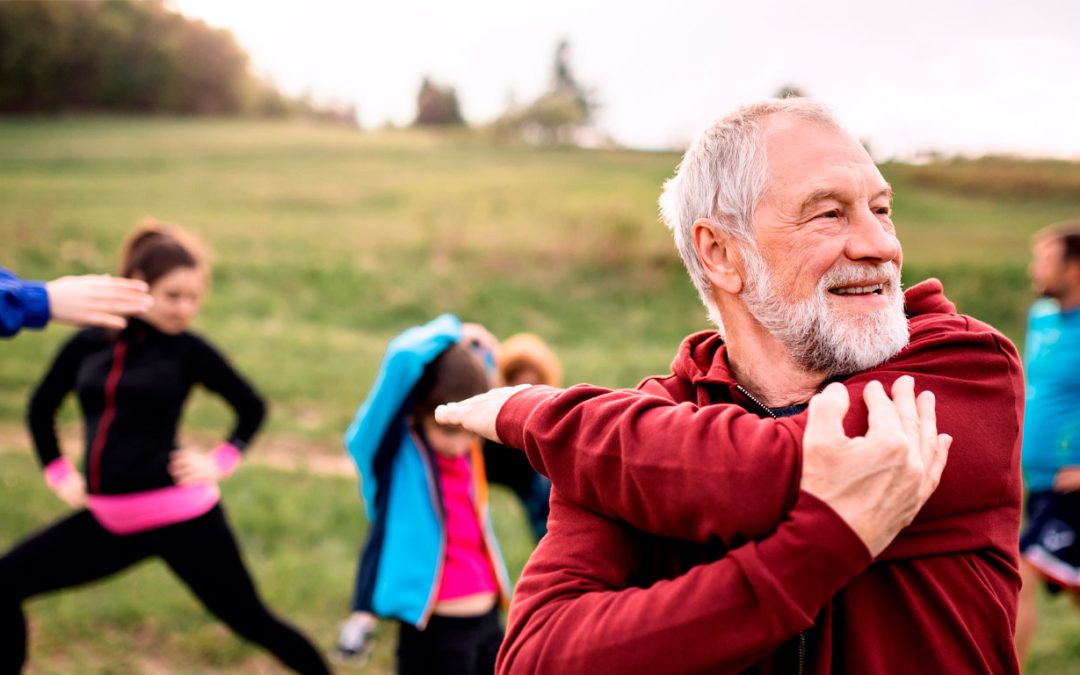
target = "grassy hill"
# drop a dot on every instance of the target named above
(329, 241)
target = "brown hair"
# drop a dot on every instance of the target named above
(454, 376)
(154, 249)
(526, 351)
(1068, 233)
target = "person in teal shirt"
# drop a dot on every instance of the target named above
(1050, 544)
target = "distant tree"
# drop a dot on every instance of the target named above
(565, 85)
(558, 113)
(125, 55)
(437, 105)
(790, 91)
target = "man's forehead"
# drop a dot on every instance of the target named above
(807, 158)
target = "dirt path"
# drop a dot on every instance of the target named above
(279, 452)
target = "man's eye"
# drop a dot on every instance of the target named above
(883, 210)
(832, 213)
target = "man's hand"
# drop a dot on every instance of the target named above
(72, 490)
(878, 482)
(96, 300)
(1067, 479)
(478, 414)
(189, 467)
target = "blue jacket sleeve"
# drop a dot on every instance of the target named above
(406, 357)
(23, 304)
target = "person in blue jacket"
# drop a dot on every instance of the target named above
(1050, 542)
(88, 300)
(431, 561)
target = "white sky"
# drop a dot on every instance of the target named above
(958, 76)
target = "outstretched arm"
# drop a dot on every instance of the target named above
(732, 474)
(576, 605)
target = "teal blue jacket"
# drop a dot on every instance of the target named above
(402, 563)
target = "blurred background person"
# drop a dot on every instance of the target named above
(431, 561)
(1049, 545)
(141, 496)
(87, 300)
(523, 358)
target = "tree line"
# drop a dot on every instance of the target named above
(125, 55)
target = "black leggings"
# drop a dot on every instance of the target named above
(201, 551)
(450, 646)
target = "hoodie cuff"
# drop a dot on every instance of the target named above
(35, 304)
(57, 471)
(227, 458)
(510, 422)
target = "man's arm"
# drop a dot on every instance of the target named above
(575, 612)
(727, 473)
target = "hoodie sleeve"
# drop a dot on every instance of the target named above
(23, 304)
(576, 607)
(217, 374)
(680, 470)
(667, 468)
(49, 394)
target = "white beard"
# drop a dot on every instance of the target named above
(818, 339)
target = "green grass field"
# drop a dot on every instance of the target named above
(329, 241)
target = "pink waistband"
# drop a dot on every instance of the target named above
(142, 511)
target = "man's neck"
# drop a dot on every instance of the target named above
(764, 368)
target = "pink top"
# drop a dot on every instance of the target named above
(467, 567)
(151, 509)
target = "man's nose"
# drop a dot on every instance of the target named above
(871, 239)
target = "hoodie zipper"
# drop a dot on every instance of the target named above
(802, 634)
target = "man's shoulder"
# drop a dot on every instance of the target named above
(960, 342)
(671, 386)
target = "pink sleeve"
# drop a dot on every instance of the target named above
(57, 471)
(227, 458)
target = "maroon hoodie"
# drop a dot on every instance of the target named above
(679, 541)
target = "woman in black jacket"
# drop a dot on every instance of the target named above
(138, 495)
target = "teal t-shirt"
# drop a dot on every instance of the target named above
(1052, 412)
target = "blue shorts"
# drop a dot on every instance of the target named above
(1051, 540)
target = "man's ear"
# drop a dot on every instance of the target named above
(719, 255)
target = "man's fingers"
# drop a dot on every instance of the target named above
(903, 397)
(451, 413)
(479, 413)
(926, 404)
(825, 417)
(939, 459)
(882, 416)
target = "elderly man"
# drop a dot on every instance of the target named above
(1050, 545)
(709, 522)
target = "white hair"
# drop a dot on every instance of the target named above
(722, 177)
